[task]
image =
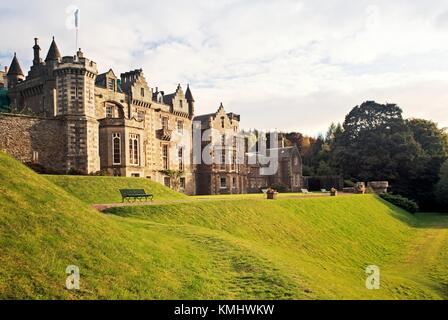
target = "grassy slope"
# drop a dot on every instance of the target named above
(105, 189)
(289, 248)
(43, 229)
(318, 248)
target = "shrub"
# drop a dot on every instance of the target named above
(38, 168)
(280, 187)
(400, 201)
(101, 173)
(349, 183)
(75, 172)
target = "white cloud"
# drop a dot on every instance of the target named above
(294, 65)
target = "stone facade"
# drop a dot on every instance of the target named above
(75, 119)
(288, 173)
(34, 140)
(223, 174)
(117, 125)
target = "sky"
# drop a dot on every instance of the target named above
(281, 64)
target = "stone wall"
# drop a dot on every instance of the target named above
(34, 140)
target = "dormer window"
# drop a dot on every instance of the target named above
(142, 92)
(223, 123)
(181, 103)
(111, 84)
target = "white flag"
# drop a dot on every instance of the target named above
(77, 18)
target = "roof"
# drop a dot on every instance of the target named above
(232, 115)
(53, 52)
(101, 79)
(15, 68)
(188, 94)
(204, 117)
(168, 98)
(102, 76)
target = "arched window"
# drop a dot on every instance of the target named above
(134, 150)
(180, 155)
(166, 164)
(116, 148)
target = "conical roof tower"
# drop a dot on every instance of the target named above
(53, 52)
(15, 69)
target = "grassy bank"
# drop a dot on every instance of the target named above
(291, 248)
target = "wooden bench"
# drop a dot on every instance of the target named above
(135, 194)
(305, 191)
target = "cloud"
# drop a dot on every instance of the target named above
(293, 65)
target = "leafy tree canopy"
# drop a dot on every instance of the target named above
(376, 143)
(441, 190)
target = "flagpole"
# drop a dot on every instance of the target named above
(77, 28)
(76, 41)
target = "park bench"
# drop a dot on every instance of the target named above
(305, 191)
(135, 194)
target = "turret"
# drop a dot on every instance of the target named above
(15, 74)
(53, 53)
(190, 101)
(77, 75)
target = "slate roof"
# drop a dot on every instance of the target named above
(168, 99)
(15, 68)
(188, 94)
(53, 52)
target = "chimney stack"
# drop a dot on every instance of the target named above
(36, 49)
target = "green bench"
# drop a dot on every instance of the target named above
(135, 194)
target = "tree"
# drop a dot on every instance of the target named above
(425, 174)
(316, 152)
(4, 101)
(375, 144)
(441, 189)
(174, 176)
(324, 169)
(378, 144)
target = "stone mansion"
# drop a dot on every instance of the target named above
(67, 117)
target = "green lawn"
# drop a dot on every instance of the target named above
(291, 248)
(259, 196)
(106, 189)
